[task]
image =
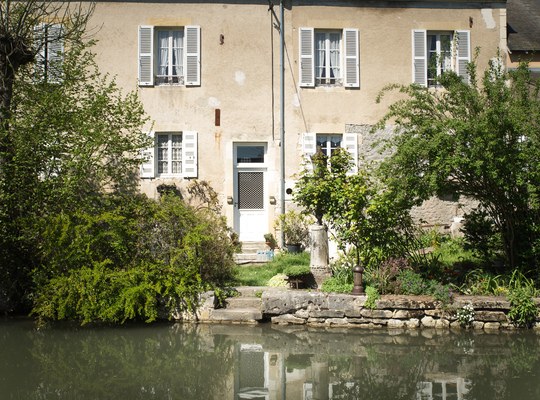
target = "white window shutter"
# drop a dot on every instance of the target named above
(463, 54)
(419, 66)
(350, 143)
(39, 46)
(307, 59)
(146, 55)
(352, 60)
(55, 52)
(147, 165)
(189, 154)
(193, 55)
(309, 147)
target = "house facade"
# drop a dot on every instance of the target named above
(208, 75)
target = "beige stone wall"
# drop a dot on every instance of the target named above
(240, 76)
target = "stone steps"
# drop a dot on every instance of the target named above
(236, 315)
(244, 302)
(253, 252)
(245, 308)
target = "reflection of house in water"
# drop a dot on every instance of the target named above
(443, 387)
(274, 375)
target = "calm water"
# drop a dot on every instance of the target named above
(206, 362)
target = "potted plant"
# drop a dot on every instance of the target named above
(295, 228)
(270, 241)
(299, 276)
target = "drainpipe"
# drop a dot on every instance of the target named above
(282, 110)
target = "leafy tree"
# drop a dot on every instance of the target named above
(361, 211)
(479, 139)
(70, 141)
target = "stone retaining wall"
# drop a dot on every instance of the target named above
(322, 309)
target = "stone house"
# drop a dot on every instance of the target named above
(208, 75)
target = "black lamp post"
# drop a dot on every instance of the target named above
(357, 279)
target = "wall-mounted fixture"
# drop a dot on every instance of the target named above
(221, 39)
(273, 200)
(217, 117)
(471, 22)
(230, 200)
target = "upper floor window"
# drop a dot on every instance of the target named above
(329, 57)
(437, 52)
(169, 55)
(439, 47)
(173, 154)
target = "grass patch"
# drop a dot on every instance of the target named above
(260, 274)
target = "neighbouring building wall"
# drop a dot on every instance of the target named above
(234, 106)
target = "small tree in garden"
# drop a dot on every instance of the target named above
(360, 211)
(479, 139)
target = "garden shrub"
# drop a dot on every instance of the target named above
(410, 283)
(372, 297)
(296, 270)
(336, 285)
(384, 277)
(278, 280)
(102, 294)
(129, 258)
(523, 310)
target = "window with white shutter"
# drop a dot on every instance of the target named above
(169, 55)
(49, 44)
(435, 52)
(329, 57)
(173, 154)
(327, 144)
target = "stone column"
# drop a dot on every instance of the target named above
(319, 253)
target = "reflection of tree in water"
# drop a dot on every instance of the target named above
(511, 370)
(134, 363)
(381, 375)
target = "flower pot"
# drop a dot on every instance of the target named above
(293, 248)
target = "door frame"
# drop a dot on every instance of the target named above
(250, 167)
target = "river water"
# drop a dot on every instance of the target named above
(265, 362)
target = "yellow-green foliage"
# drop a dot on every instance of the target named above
(102, 294)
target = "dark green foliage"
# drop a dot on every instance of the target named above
(479, 140)
(411, 283)
(133, 259)
(66, 144)
(384, 277)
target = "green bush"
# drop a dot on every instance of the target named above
(372, 297)
(336, 285)
(523, 309)
(296, 270)
(384, 277)
(102, 294)
(411, 283)
(126, 258)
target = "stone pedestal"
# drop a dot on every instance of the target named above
(319, 253)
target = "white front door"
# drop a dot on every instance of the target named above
(250, 187)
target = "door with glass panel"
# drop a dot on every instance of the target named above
(249, 188)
